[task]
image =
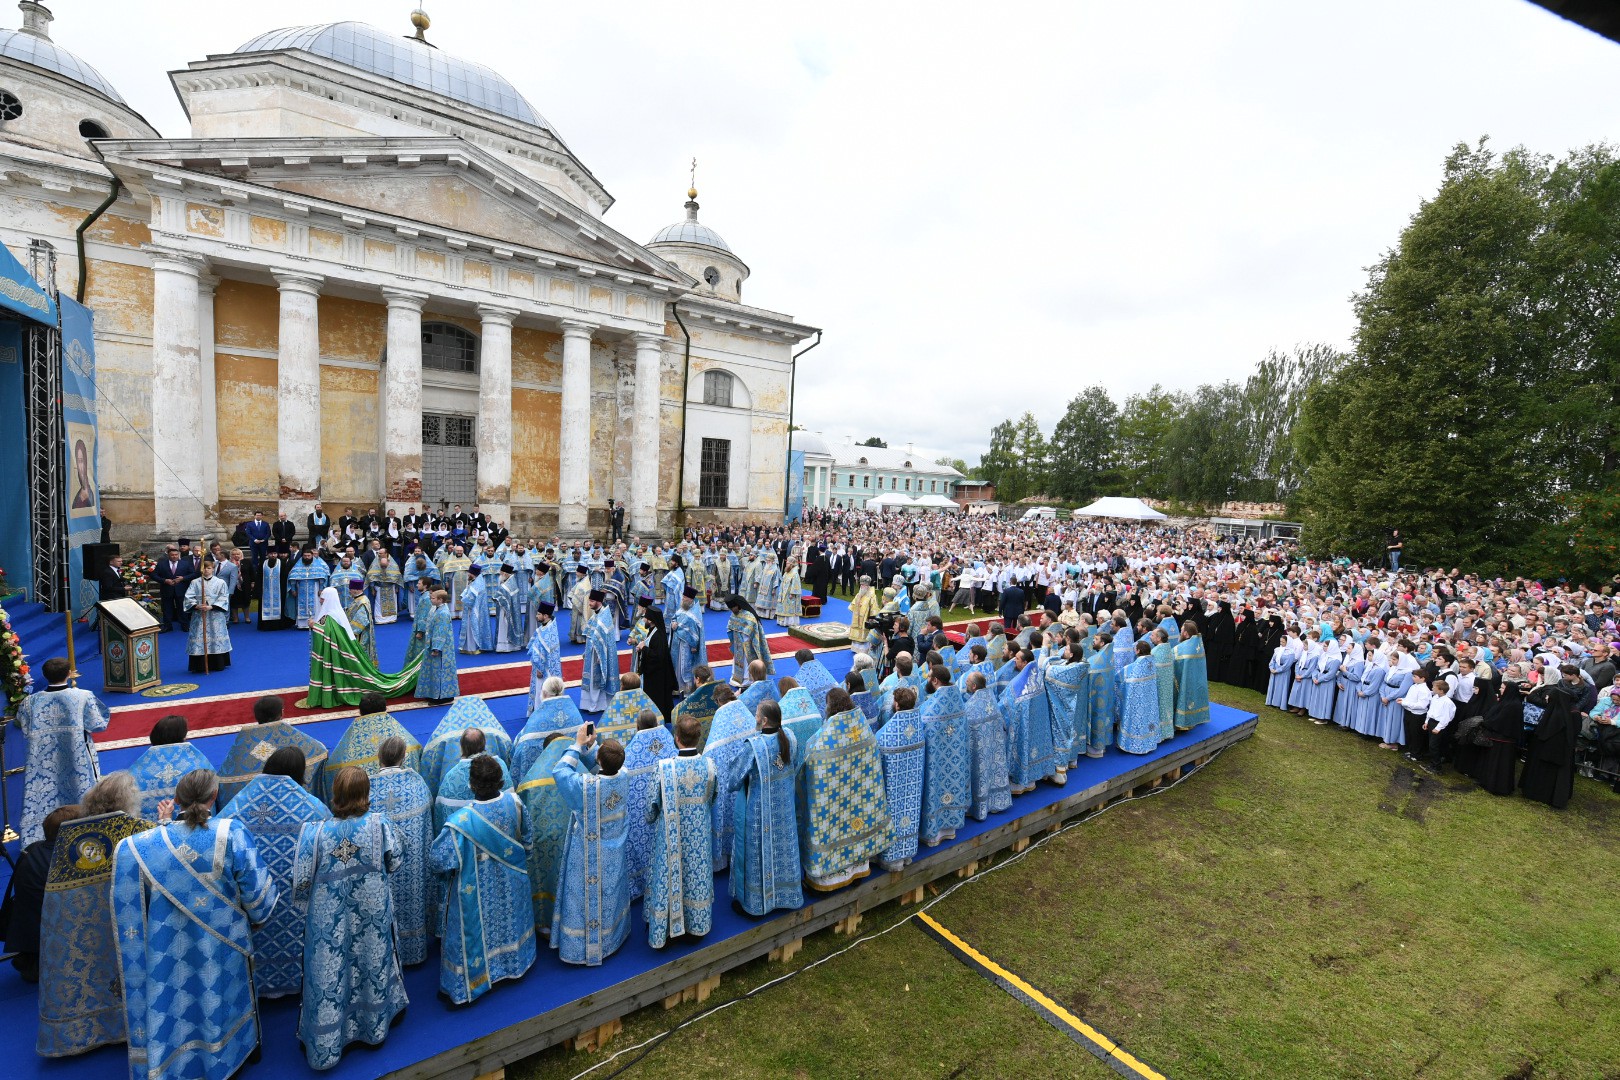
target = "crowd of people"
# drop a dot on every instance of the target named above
(295, 869)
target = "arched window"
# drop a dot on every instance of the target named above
(717, 386)
(447, 347)
(92, 129)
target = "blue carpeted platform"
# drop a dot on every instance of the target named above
(431, 1026)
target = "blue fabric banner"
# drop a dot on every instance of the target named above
(15, 542)
(79, 425)
(20, 293)
(795, 479)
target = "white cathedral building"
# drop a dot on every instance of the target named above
(374, 274)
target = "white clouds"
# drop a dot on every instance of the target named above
(991, 207)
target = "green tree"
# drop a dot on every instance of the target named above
(873, 441)
(1144, 426)
(1272, 399)
(1031, 453)
(1084, 447)
(1206, 457)
(997, 463)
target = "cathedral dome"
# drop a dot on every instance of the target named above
(690, 231)
(31, 45)
(404, 60)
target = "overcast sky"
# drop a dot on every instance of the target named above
(990, 207)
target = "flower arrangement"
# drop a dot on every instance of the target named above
(5, 583)
(137, 574)
(14, 676)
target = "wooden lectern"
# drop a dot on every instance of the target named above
(129, 646)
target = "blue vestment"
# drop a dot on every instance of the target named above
(844, 820)
(184, 900)
(591, 918)
(1031, 757)
(160, 768)
(814, 677)
(765, 865)
(748, 644)
(550, 716)
(61, 766)
(304, 584)
(545, 658)
(680, 873)
(455, 790)
(252, 748)
(548, 817)
(443, 747)
(1139, 713)
(1192, 684)
(1164, 672)
(402, 797)
(903, 746)
(599, 679)
(946, 771)
(732, 726)
(619, 721)
(642, 754)
(987, 746)
(1102, 702)
(358, 747)
(437, 680)
(1067, 685)
(800, 715)
(686, 646)
(488, 916)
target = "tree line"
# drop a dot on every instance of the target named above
(1478, 409)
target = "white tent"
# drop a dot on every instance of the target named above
(888, 500)
(935, 502)
(1117, 507)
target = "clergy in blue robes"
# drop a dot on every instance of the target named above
(761, 687)
(650, 744)
(81, 1006)
(253, 746)
(555, 712)
(208, 639)
(354, 983)
(1101, 662)
(305, 581)
(814, 677)
(765, 865)
(420, 578)
(274, 808)
(386, 585)
(61, 766)
(421, 613)
(506, 596)
(990, 792)
(680, 873)
(358, 610)
(545, 651)
(699, 703)
(1164, 671)
(903, 747)
(160, 768)
(686, 647)
(1068, 684)
(1031, 757)
(185, 899)
(748, 642)
(674, 587)
(1281, 666)
(1139, 715)
(271, 596)
(591, 918)
(359, 743)
(400, 795)
(599, 678)
(477, 632)
(443, 747)
(800, 713)
(1192, 680)
(732, 726)
(548, 817)
(482, 858)
(844, 821)
(437, 681)
(946, 770)
(625, 709)
(456, 789)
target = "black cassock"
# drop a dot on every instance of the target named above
(657, 667)
(1549, 770)
(1220, 638)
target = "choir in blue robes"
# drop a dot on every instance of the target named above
(455, 790)
(947, 767)
(358, 747)
(1031, 757)
(843, 818)
(253, 746)
(641, 757)
(903, 746)
(80, 1006)
(1364, 710)
(1391, 717)
(599, 679)
(733, 724)
(765, 864)
(551, 715)
(686, 649)
(1324, 683)
(1304, 667)
(1192, 684)
(1101, 663)
(545, 658)
(401, 796)
(987, 747)
(274, 810)
(1350, 670)
(488, 918)
(184, 902)
(814, 677)
(680, 873)
(159, 769)
(591, 918)
(1068, 685)
(1139, 716)
(61, 765)
(304, 584)
(548, 818)
(443, 749)
(1281, 666)
(353, 980)
(437, 681)
(748, 643)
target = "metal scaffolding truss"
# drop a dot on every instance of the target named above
(46, 463)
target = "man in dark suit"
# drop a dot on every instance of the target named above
(257, 532)
(112, 579)
(174, 573)
(616, 519)
(1012, 605)
(320, 526)
(282, 532)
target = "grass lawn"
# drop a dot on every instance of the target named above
(1304, 907)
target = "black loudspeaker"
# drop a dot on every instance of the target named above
(95, 559)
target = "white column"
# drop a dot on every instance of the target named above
(402, 401)
(574, 447)
(208, 397)
(298, 393)
(177, 411)
(495, 412)
(644, 436)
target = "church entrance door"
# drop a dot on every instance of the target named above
(449, 460)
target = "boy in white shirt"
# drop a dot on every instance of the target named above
(1416, 706)
(1437, 724)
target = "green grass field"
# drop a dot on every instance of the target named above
(1303, 907)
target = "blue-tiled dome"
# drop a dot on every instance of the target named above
(41, 52)
(690, 231)
(403, 60)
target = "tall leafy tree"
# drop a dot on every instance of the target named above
(1272, 399)
(1084, 447)
(1144, 427)
(998, 462)
(1032, 465)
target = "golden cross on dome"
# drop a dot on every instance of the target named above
(691, 192)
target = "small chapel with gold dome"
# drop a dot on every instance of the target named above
(374, 274)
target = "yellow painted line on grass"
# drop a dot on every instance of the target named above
(1111, 1053)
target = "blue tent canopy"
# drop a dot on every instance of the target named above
(21, 294)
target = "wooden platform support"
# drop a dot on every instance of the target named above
(915, 896)
(698, 991)
(498, 1074)
(849, 926)
(785, 951)
(592, 1039)
(1020, 845)
(967, 871)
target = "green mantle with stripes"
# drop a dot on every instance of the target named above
(340, 671)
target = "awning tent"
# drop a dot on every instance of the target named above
(935, 502)
(1120, 508)
(890, 499)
